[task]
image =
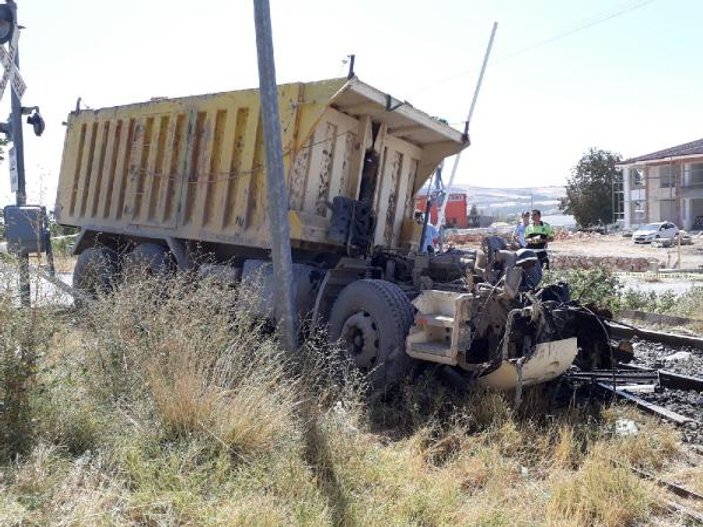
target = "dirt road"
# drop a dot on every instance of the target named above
(615, 245)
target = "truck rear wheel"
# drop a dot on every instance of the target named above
(96, 271)
(151, 257)
(371, 319)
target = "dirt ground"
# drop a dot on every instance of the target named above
(617, 245)
(572, 245)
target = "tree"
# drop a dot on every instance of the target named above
(589, 190)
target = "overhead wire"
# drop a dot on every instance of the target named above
(584, 24)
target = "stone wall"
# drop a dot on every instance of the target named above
(611, 263)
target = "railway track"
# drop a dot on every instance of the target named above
(665, 378)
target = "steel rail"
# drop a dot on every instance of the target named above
(670, 379)
(619, 375)
(651, 408)
(680, 491)
(674, 488)
(626, 331)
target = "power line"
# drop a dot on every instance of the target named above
(586, 23)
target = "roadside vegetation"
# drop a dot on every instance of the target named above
(603, 289)
(167, 403)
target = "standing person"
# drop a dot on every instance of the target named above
(519, 231)
(431, 234)
(538, 234)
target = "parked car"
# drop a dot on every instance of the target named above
(685, 238)
(655, 231)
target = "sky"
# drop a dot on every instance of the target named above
(563, 75)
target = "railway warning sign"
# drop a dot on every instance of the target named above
(11, 74)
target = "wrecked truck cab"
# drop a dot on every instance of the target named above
(499, 345)
(504, 330)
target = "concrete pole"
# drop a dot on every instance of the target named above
(275, 181)
(18, 145)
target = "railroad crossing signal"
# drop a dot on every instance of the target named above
(7, 23)
(7, 57)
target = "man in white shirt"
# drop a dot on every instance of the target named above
(519, 231)
(431, 234)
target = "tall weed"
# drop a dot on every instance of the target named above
(25, 337)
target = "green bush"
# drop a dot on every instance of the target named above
(690, 304)
(599, 287)
(650, 301)
(63, 246)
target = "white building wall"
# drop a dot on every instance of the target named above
(637, 195)
(627, 198)
(691, 187)
(686, 221)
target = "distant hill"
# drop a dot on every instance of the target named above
(509, 201)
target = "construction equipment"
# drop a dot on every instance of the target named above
(180, 183)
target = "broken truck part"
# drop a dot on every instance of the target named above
(180, 183)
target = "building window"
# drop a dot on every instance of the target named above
(637, 176)
(638, 217)
(668, 175)
(696, 174)
(667, 210)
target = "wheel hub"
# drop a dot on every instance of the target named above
(360, 334)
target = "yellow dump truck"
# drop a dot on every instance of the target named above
(180, 183)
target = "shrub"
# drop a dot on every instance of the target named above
(690, 304)
(599, 287)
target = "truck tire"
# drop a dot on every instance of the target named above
(96, 271)
(371, 319)
(151, 257)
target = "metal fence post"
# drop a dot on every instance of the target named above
(275, 181)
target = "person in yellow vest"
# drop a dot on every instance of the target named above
(537, 235)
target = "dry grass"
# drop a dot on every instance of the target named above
(598, 494)
(165, 404)
(64, 263)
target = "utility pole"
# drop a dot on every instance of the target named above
(26, 228)
(18, 145)
(9, 33)
(275, 181)
(16, 119)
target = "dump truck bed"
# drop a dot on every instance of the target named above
(193, 167)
